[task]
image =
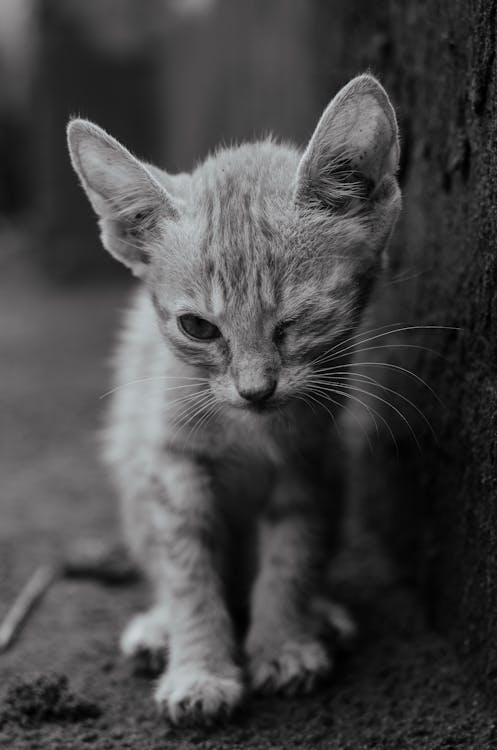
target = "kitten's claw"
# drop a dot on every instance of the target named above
(296, 667)
(194, 696)
(144, 640)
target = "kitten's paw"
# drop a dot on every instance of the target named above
(144, 640)
(292, 667)
(336, 617)
(192, 695)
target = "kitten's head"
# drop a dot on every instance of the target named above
(263, 258)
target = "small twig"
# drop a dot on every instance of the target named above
(23, 604)
(90, 560)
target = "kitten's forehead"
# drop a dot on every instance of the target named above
(242, 201)
(249, 250)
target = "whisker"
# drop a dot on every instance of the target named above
(189, 399)
(185, 415)
(202, 412)
(371, 410)
(208, 417)
(300, 396)
(210, 405)
(420, 347)
(389, 365)
(352, 338)
(387, 403)
(188, 407)
(206, 398)
(390, 332)
(309, 395)
(156, 377)
(324, 391)
(324, 394)
(373, 382)
(352, 353)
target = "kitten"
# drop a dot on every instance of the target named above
(220, 439)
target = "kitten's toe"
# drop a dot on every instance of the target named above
(338, 618)
(294, 667)
(192, 695)
(144, 640)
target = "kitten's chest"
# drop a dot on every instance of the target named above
(253, 458)
(243, 484)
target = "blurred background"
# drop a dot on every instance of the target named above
(172, 79)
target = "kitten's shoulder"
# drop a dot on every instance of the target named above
(139, 342)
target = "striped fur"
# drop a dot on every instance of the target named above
(279, 250)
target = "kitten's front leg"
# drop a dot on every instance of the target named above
(284, 645)
(202, 681)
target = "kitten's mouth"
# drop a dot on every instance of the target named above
(260, 407)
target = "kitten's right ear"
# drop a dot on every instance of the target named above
(127, 198)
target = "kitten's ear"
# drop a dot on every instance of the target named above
(353, 154)
(127, 198)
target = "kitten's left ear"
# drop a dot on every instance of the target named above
(353, 154)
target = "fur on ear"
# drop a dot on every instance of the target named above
(124, 193)
(353, 155)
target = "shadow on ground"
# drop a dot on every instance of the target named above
(63, 684)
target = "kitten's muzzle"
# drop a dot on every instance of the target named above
(254, 372)
(257, 396)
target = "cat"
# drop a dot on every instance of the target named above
(221, 434)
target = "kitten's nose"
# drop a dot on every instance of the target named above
(257, 395)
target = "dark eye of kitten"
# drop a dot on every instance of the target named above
(198, 328)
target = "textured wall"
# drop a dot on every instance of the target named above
(438, 507)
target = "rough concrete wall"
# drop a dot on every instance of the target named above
(438, 508)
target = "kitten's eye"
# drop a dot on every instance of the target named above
(281, 330)
(198, 328)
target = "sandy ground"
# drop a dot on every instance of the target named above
(63, 683)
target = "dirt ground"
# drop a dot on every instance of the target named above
(63, 683)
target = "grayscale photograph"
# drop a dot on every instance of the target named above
(248, 369)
